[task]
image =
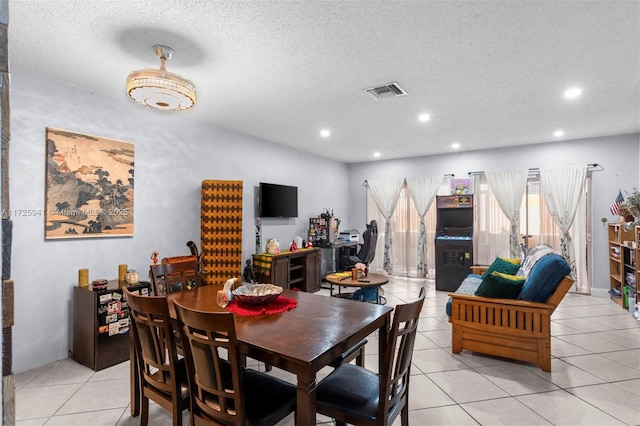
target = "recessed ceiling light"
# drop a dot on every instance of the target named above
(376, 154)
(558, 133)
(455, 145)
(572, 93)
(325, 133)
(424, 117)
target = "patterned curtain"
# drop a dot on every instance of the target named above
(562, 189)
(405, 231)
(423, 190)
(385, 193)
(509, 187)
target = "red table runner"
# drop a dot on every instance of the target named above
(280, 304)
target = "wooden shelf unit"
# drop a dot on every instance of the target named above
(294, 270)
(637, 262)
(623, 258)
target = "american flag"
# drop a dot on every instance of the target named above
(616, 204)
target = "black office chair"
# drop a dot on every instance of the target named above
(367, 250)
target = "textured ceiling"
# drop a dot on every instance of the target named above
(490, 73)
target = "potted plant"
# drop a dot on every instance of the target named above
(630, 208)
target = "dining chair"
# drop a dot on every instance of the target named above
(356, 353)
(352, 394)
(162, 376)
(224, 391)
(175, 275)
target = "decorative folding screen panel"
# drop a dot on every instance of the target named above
(221, 230)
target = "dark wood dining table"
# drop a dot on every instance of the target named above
(302, 340)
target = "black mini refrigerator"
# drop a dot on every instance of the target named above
(454, 240)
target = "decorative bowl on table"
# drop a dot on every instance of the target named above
(257, 294)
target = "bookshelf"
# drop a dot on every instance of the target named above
(624, 256)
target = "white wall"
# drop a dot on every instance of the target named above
(617, 154)
(172, 157)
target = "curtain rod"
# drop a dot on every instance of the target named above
(594, 167)
(445, 175)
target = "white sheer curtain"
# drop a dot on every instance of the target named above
(405, 231)
(491, 228)
(385, 194)
(508, 187)
(549, 231)
(551, 234)
(578, 233)
(423, 190)
(562, 188)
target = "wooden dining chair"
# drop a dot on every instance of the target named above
(171, 276)
(162, 377)
(224, 392)
(356, 353)
(355, 395)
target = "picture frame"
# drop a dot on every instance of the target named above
(89, 186)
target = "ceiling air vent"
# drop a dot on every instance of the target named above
(388, 90)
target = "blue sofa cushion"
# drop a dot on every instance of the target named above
(469, 286)
(531, 256)
(500, 285)
(544, 278)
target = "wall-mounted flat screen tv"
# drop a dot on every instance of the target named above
(278, 200)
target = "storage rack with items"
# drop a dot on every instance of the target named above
(623, 258)
(629, 266)
(615, 264)
(323, 230)
(635, 291)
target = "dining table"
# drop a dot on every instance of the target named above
(302, 340)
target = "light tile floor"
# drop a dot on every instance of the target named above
(595, 378)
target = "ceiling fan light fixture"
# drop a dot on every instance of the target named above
(159, 88)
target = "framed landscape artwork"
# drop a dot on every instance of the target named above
(89, 186)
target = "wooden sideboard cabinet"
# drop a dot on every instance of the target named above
(298, 269)
(101, 325)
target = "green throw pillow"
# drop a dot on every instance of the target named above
(506, 286)
(503, 266)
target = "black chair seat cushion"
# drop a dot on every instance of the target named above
(350, 389)
(268, 399)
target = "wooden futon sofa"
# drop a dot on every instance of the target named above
(509, 328)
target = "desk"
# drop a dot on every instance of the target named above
(331, 256)
(375, 280)
(302, 340)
